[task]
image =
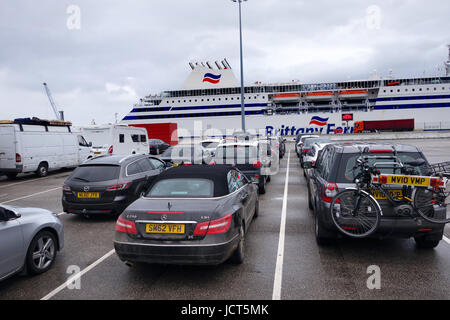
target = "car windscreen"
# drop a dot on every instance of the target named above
(346, 172)
(95, 173)
(210, 144)
(182, 188)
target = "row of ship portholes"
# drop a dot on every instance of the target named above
(413, 89)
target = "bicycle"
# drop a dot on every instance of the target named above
(355, 211)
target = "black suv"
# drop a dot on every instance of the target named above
(333, 172)
(108, 184)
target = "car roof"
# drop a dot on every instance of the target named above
(113, 159)
(217, 173)
(238, 143)
(356, 147)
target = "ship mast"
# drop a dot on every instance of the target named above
(447, 64)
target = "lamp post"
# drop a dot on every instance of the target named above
(242, 67)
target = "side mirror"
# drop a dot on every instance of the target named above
(3, 216)
(307, 165)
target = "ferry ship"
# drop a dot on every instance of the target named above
(209, 104)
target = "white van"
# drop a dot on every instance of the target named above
(39, 148)
(116, 139)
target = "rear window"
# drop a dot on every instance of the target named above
(182, 188)
(95, 173)
(346, 173)
(235, 151)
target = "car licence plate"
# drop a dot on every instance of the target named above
(407, 180)
(395, 194)
(168, 228)
(88, 195)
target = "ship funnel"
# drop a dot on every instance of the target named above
(218, 65)
(226, 62)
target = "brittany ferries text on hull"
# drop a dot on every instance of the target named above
(209, 104)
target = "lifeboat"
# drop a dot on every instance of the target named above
(319, 95)
(286, 97)
(353, 94)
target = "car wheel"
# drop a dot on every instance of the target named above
(310, 204)
(262, 187)
(424, 243)
(11, 175)
(323, 237)
(239, 253)
(41, 253)
(42, 170)
(256, 209)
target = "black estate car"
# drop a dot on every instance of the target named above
(190, 215)
(108, 184)
(157, 146)
(334, 172)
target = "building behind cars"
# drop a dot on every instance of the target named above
(334, 172)
(116, 139)
(35, 145)
(108, 184)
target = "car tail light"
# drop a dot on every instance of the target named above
(212, 163)
(152, 146)
(381, 151)
(66, 187)
(187, 163)
(424, 230)
(329, 191)
(436, 182)
(110, 150)
(313, 163)
(126, 226)
(213, 227)
(383, 179)
(257, 164)
(305, 150)
(18, 157)
(119, 186)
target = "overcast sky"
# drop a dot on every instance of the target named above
(99, 57)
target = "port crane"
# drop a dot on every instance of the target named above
(59, 114)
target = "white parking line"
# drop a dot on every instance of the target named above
(78, 275)
(31, 180)
(31, 195)
(276, 294)
(446, 239)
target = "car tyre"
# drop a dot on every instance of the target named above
(310, 204)
(11, 176)
(42, 170)
(323, 237)
(425, 243)
(239, 253)
(41, 253)
(262, 187)
(256, 209)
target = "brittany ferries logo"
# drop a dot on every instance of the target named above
(320, 126)
(211, 78)
(319, 121)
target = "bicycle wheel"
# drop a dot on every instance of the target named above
(355, 213)
(432, 204)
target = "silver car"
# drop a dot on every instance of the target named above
(29, 240)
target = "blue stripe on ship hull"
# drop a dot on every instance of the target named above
(250, 105)
(192, 115)
(413, 98)
(412, 106)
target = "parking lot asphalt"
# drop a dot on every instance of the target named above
(305, 270)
